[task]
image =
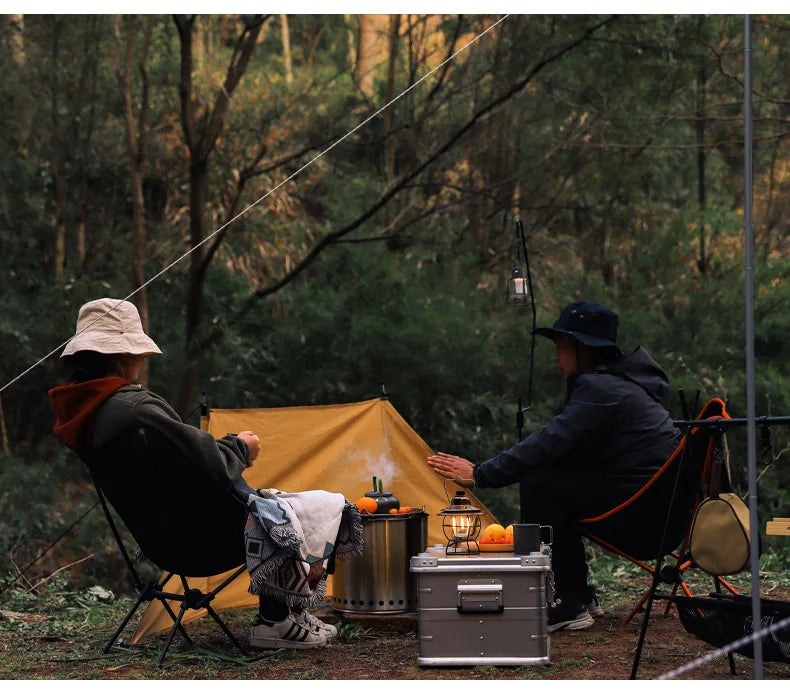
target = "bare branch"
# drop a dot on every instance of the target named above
(68, 565)
(242, 54)
(398, 184)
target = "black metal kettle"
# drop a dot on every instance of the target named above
(385, 501)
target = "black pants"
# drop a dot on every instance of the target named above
(560, 497)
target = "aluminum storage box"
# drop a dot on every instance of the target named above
(485, 609)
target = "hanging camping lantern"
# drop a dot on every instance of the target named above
(518, 286)
(461, 526)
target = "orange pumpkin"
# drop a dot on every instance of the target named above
(367, 505)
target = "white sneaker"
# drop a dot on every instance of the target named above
(292, 633)
(316, 623)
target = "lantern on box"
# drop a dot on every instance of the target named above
(461, 526)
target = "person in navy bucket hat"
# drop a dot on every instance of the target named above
(589, 323)
(611, 435)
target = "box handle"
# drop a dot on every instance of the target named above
(480, 599)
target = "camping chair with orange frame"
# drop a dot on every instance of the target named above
(656, 520)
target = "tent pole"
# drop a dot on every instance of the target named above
(749, 295)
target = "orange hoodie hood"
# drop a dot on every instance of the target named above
(76, 406)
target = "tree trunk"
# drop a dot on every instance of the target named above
(3, 431)
(702, 78)
(61, 194)
(366, 53)
(352, 44)
(286, 40)
(89, 88)
(389, 143)
(82, 196)
(200, 144)
(58, 174)
(16, 37)
(198, 180)
(135, 138)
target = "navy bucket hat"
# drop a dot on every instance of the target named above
(590, 323)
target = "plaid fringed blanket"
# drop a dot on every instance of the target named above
(291, 537)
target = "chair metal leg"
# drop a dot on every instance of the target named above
(642, 634)
(108, 645)
(723, 583)
(176, 621)
(717, 581)
(731, 660)
(170, 635)
(638, 606)
(643, 630)
(191, 599)
(225, 630)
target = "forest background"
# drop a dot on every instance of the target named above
(617, 140)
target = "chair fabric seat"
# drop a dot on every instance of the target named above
(664, 507)
(182, 520)
(645, 526)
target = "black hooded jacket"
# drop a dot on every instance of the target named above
(612, 427)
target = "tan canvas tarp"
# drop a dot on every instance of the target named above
(338, 448)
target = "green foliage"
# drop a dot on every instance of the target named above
(351, 632)
(66, 626)
(592, 140)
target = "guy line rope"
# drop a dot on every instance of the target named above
(263, 197)
(730, 647)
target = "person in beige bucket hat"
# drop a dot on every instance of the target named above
(101, 401)
(110, 326)
(105, 356)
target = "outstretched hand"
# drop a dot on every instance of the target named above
(459, 469)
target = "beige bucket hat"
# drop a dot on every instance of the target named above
(110, 326)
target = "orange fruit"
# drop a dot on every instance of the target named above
(509, 534)
(494, 531)
(393, 511)
(405, 509)
(366, 504)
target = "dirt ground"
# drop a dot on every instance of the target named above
(379, 648)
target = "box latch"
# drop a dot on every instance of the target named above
(480, 597)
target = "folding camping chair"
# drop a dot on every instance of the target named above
(725, 620)
(656, 520)
(183, 521)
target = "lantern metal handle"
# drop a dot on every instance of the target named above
(455, 480)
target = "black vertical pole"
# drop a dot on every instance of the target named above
(519, 421)
(532, 306)
(749, 295)
(521, 239)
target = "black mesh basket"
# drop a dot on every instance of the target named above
(722, 619)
